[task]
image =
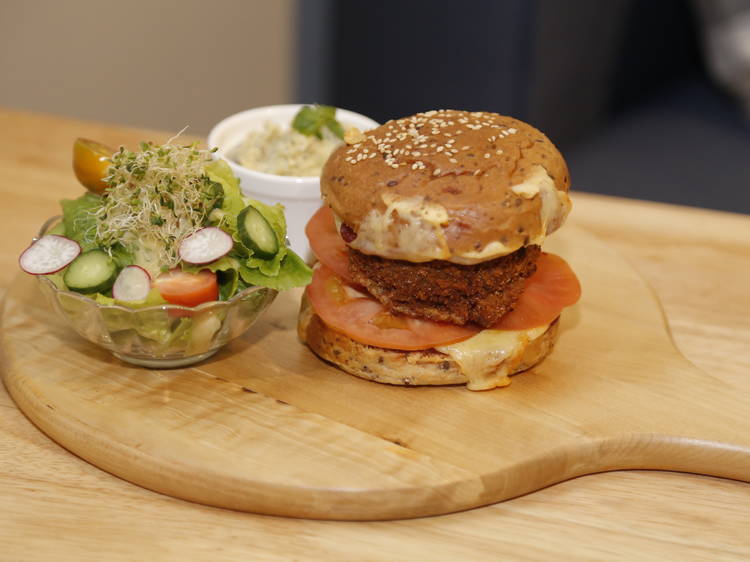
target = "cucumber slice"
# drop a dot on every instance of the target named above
(91, 272)
(256, 234)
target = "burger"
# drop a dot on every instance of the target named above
(430, 269)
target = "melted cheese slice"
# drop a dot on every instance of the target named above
(488, 358)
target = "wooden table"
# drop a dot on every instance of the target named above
(55, 506)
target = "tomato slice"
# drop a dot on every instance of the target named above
(552, 287)
(188, 289)
(326, 243)
(365, 320)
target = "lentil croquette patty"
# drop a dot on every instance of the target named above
(444, 291)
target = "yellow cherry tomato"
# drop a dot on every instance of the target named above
(90, 163)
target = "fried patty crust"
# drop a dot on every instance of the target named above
(444, 291)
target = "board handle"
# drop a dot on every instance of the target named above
(691, 422)
(655, 451)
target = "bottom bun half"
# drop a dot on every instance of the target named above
(392, 366)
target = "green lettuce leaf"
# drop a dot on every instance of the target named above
(224, 263)
(103, 300)
(152, 299)
(232, 203)
(293, 272)
(179, 335)
(58, 229)
(57, 280)
(228, 283)
(121, 256)
(79, 221)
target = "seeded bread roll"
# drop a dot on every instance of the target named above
(406, 368)
(452, 185)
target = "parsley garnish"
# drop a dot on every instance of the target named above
(311, 119)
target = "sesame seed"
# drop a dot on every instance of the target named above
(453, 161)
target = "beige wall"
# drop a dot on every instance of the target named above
(160, 63)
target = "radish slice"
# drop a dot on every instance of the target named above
(133, 284)
(49, 254)
(206, 245)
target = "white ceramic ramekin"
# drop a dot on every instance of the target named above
(300, 195)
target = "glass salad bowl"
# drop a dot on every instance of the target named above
(161, 336)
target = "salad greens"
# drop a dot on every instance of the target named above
(159, 196)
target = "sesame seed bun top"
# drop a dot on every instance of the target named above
(452, 185)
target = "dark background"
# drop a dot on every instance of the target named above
(621, 86)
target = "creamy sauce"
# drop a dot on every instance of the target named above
(555, 204)
(418, 235)
(412, 229)
(527, 189)
(487, 358)
(492, 250)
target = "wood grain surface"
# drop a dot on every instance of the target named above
(267, 427)
(56, 506)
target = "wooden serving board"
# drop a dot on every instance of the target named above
(265, 426)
